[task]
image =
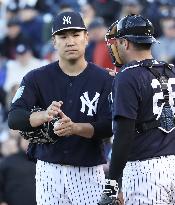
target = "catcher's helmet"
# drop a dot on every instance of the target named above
(135, 28)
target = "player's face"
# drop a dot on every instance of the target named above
(116, 50)
(121, 45)
(71, 44)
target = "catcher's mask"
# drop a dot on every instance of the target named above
(110, 38)
(134, 28)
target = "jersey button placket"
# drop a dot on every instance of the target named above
(70, 85)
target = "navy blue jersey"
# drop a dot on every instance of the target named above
(136, 94)
(85, 100)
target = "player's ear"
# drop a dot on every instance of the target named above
(86, 37)
(54, 41)
(124, 43)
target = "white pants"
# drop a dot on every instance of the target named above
(150, 182)
(68, 185)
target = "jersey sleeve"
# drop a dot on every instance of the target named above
(126, 95)
(26, 96)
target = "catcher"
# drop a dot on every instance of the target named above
(143, 113)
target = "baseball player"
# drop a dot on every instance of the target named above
(143, 113)
(62, 108)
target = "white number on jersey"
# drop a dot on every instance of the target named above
(158, 96)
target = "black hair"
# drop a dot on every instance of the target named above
(142, 46)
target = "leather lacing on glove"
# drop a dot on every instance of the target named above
(44, 134)
(110, 193)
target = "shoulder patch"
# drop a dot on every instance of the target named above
(18, 94)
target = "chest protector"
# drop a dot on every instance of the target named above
(165, 119)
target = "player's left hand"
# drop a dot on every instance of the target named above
(64, 126)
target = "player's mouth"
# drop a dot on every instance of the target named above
(71, 51)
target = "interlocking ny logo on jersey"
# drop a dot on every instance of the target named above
(67, 20)
(91, 105)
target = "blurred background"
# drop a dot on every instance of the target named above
(25, 44)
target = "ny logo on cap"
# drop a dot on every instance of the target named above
(67, 20)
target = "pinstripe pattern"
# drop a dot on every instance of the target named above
(68, 185)
(150, 182)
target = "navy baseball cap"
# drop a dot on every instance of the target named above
(67, 20)
(22, 48)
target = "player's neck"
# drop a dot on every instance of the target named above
(73, 68)
(139, 56)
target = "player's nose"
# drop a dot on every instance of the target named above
(70, 40)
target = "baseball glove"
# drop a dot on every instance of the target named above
(106, 200)
(109, 195)
(43, 134)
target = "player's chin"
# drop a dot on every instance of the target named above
(72, 57)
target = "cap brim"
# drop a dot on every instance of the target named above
(141, 39)
(69, 28)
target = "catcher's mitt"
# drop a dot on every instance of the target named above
(44, 133)
(106, 200)
(109, 195)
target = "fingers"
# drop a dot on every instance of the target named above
(62, 115)
(111, 72)
(108, 69)
(64, 126)
(64, 132)
(53, 110)
(56, 104)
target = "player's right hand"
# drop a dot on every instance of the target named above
(43, 116)
(53, 110)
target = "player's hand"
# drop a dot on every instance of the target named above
(120, 199)
(64, 126)
(109, 195)
(41, 117)
(52, 111)
(111, 72)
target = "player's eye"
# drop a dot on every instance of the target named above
(62, 36)
(76, 34)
